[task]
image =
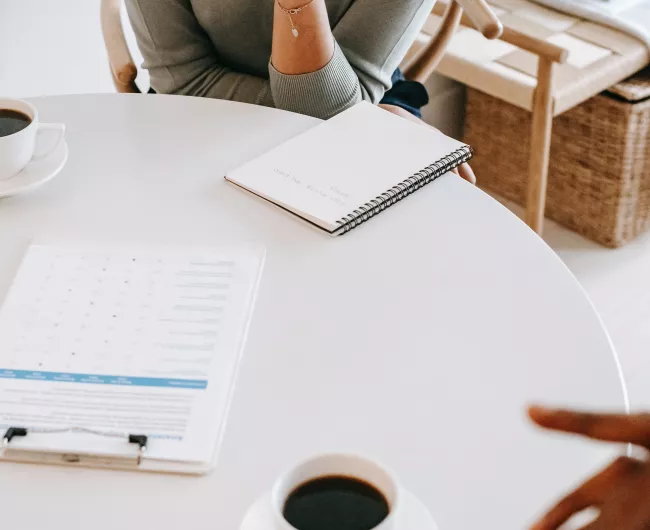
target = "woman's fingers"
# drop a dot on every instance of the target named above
(467, 173)
(591, 493)
(633, 429)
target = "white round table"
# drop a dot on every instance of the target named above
(416, 339)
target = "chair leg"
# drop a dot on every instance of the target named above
(540, 146)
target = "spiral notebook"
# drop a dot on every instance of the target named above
(350, 168)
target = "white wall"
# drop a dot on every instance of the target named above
(51, 47)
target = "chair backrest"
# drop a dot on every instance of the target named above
(125, 71)
(119, 56)
(482, 17)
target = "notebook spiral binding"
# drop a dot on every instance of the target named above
(404, 189)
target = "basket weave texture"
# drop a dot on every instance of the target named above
(599, 175)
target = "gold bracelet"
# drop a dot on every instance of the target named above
(291, 12)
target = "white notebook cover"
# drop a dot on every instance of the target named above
(344, 163)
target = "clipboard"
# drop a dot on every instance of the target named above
(130, 455)
(75, 400)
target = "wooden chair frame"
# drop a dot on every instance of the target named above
(542, 113)
(123, 69)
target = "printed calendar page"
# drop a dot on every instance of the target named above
(126, 340)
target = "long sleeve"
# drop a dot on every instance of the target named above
(181, 58)
(372, 38)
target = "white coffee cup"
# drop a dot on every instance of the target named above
(337, 465)
(31, 143)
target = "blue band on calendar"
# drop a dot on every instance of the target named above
(94, 379)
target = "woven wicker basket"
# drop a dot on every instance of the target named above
(599, 177)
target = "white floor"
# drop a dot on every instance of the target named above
(50, 47)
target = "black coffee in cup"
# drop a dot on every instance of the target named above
(335, 503)
(12, 121)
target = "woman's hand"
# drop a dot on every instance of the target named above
(466, 172)
(621, 491)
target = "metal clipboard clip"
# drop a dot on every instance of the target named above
(81, 458)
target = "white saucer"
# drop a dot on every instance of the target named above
(415, 515)
(36, 173)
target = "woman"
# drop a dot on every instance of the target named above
(315, 57)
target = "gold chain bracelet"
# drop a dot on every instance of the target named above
(291, 12)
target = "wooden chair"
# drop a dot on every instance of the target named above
(124, 70)
(543, 82)
(482, 18)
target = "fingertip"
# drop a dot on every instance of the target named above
(468, 174)
(538, 412)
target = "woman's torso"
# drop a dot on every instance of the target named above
(252, 22)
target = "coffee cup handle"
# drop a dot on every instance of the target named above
(43, 128)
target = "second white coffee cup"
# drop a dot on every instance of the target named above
(34, 142)
(352, 466)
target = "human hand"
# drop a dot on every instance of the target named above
(465, 171)
(622, 490)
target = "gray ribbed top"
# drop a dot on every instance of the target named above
(222, 49)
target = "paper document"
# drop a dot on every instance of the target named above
(125, 341)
